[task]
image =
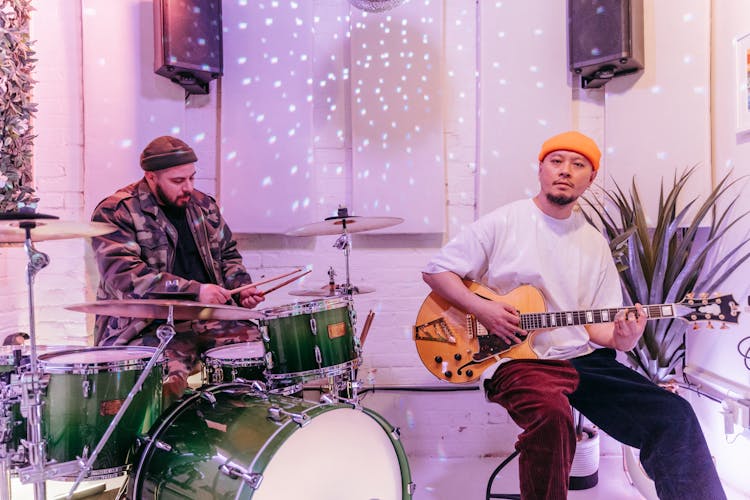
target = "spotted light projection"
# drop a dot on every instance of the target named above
(524, 94)
(305, 81)
(397, 130)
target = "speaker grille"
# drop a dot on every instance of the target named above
(599, 31)
(188, 40)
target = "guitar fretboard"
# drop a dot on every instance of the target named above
(535, 321)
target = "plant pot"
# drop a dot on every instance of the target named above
(584, 473)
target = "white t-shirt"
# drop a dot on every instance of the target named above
(568, 260)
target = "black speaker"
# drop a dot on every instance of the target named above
(605, 39)
(188, 45)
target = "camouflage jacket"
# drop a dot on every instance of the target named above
(139, 256)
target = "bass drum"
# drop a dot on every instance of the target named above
(229, 441)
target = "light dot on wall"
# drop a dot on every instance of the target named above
(266, 181)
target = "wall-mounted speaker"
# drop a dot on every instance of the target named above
(605, 39)
(188, 43)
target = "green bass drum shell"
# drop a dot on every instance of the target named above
(232, 442)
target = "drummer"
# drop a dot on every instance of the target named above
(170, 237)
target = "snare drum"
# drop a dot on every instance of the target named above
(86, 388)
(228, 362)
(231, 442)
(309, 340)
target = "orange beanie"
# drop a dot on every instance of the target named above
(573, 141)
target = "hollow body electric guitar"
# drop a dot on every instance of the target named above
(455, 347)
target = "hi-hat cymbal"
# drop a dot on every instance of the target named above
(327, 291)
(350, 224)
(13, 230)
(159, 309)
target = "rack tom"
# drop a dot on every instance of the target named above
(309, 340)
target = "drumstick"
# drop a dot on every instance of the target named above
(266, 292)
(366, 328)
(263, 282)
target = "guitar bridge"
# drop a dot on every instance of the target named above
(436, 330)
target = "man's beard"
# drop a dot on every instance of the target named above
(162, 196)
(560, 200)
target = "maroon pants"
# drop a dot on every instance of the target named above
(535, 396)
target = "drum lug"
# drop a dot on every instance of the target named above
(264, 333)
(313, 326)
(318, 356)
(269, 360)
(209, 397)
(162, 445)
(353, 316)
(412, 488)
(234, 471)
(86, 388)
(276, 414)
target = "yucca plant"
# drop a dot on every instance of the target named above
(664, 262)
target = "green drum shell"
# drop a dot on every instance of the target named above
(12, 372)
(229, 424)
(220, 364)
(290, 341)
(71, 419)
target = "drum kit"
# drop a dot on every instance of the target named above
(85, 413)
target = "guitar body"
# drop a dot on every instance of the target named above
(447, 338)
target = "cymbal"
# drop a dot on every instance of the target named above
(25, 216)
(351, 223)
(13, 230)
(159, 309)
(325, 291)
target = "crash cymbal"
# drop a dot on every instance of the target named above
(326, 291)
(337, 225)
(159, 309)
(13, 230)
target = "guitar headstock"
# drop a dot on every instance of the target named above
(703, 307)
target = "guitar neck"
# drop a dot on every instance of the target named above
(535, 321)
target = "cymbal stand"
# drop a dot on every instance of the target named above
(344, 242)
(37, 262)
(165, 333)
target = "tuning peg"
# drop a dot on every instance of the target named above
(709, 326)
(695, 326)
(723, 326)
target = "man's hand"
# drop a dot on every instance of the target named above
(628, 328)
(213, 294)
(251, 297)
(501, 319)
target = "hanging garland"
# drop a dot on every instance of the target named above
(16, 109)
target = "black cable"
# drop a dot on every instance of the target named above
(746, 353)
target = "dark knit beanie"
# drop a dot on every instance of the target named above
(164, 152)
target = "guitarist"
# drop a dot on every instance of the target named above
(546, 242)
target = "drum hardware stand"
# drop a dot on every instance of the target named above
(165, 333)
(344, 242)
(31, 384)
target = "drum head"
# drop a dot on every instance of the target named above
(309, 307)
(244, 350)
(96, 358)
(341, 454)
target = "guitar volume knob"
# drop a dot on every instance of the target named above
(448, 374)
(438, 359)
(457, 356)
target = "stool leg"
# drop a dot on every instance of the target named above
(489, 494)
